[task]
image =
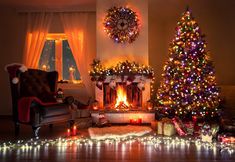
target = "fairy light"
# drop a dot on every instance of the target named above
(99, 72)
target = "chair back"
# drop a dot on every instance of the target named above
(33, 83)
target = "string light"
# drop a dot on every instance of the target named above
(126, 68)
(152, 140)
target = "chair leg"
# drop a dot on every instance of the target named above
(35, 131)
(17, 129)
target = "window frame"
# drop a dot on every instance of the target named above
(59, 38)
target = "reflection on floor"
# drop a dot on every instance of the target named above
(82, 148)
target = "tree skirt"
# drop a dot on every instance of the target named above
(118, 131)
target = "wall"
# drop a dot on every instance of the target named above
(109, 52)
(11, 43)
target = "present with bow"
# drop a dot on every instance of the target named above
(166, 127)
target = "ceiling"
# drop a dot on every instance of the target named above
(48, 3)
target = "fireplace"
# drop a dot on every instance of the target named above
(123, 97)
(125, 86)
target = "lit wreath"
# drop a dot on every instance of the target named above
(121, 24)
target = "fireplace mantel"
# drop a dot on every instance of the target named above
(118, 79)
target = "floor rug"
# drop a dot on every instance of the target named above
(118, 131)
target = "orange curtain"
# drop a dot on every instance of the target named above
(76, 27)
(37, 29)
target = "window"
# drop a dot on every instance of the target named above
(57, 55)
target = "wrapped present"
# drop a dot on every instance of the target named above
(197, 128)
(227, 138)
(206, 133)
(189, 127)
(154, 125)
(179, 126)
(166, 127)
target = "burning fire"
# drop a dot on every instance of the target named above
(121, 97)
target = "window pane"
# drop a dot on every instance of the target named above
(47, 59)
(68, 63)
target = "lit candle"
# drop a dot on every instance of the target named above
(71, 73)
(131, 121)
(74, 130)
(140, 121)
(44, 67)
(68, 132)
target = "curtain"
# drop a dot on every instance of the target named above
(37, 28)
(77, 28)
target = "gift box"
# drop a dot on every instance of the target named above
(206, 138)
(189, 126)
(154, 125)
(206, 133)
(179, 126)
(227, 138)
(166, 127)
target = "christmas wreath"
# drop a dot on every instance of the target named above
(121, 24)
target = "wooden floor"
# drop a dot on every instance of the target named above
(135, 152)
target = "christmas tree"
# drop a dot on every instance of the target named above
(188, 83)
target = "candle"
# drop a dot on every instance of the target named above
(71, 73)
(74, 130)
(140, 121)
(68, 132)
(44, 67)
(131, 121)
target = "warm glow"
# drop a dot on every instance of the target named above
(121, 97)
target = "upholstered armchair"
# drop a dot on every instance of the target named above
(33, 101)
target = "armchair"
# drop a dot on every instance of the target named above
(35, 89)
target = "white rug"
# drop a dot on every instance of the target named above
(118, 131)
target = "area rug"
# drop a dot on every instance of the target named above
(118, 131)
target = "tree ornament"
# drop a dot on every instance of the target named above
(121, 24)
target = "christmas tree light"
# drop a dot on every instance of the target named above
(188, 83)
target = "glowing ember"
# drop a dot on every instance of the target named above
(121, 98)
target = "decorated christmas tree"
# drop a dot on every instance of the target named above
(188, 84)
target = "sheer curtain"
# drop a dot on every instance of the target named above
(37, 28)
(76, 27)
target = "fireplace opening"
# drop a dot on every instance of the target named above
(123, 97)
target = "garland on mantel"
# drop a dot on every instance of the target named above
(130, 69)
